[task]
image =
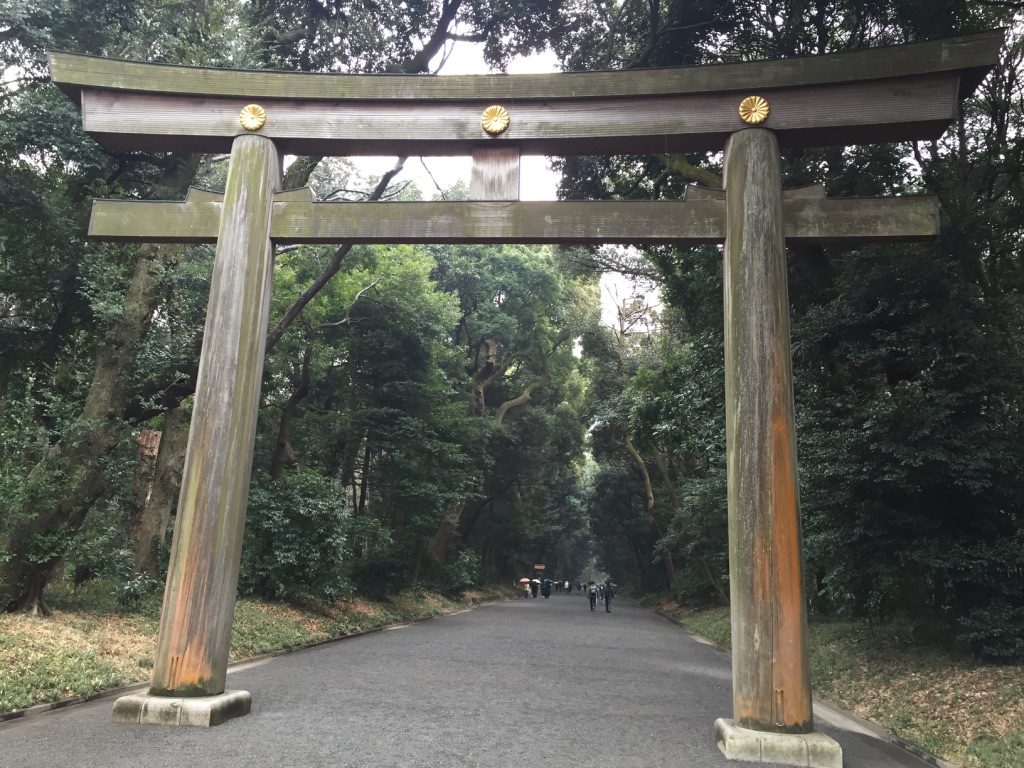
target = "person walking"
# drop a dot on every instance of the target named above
(592, 592)
(609, 593)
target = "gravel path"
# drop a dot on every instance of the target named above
(517, 684)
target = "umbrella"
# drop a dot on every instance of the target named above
(524, 580)
(536, 581)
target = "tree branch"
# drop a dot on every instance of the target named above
(679, 164)
(648, 488)
(421, 61)
(329, 271)
(299, 171)
(521, 399)
(348, 313)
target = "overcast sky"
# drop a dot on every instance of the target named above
(537, 181)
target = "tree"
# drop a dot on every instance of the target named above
(46, 152)
(905, 357)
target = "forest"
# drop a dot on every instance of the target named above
(451, 415)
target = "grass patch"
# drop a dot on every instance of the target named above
(32, 671)
(68, 655)
(90, 643)
(951, 705)
(261, 627)
(712, 623)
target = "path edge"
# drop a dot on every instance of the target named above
(833, 713)
(18, 715)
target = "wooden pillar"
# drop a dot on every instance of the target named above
(771, 688)
(199, 602)
(495, 174)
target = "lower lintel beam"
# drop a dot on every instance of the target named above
(690, 222)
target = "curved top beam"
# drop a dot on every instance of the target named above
(972, 54)
(884, 94)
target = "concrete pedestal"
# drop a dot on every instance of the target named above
(203, 711)
(812, 750)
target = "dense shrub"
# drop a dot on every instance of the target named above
(294, 538)
(462, 573)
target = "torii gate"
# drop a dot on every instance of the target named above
(892, 94)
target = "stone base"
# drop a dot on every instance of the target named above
(813, 750)
(203, 711)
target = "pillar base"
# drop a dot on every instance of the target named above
(812, 750)
(202, 711)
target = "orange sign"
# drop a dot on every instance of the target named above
(539, 567)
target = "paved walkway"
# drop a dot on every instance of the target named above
(509, 685)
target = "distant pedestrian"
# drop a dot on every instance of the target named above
(526, 589)
(568, 587)
(534, 586)
(609, 593)
(592, 592)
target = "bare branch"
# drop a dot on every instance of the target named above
(431, 175)
(348, 312)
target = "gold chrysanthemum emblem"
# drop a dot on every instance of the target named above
(754, 110)
(495, 120)
(252, 117)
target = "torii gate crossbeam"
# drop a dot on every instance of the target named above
(750, 109)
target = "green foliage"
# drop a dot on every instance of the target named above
(1005, 752)
(295, 538)
(380, 455)
(67, 669)
(462, 573)
(906, 359)
(257, 631)
(133, 589)
(712, 623)
(381, 572)
(996, 631)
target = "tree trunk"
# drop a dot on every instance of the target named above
(142, 478)
(677, 503)
(445, 531)
(281, 448)
(80, 464)
(666, 560)
(163, 496)
(48, 518)
(364, 480)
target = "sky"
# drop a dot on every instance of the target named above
(537, 180)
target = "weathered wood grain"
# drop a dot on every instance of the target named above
(495, 174)
(973, 54)
(848, 113)
(771, 685)
(199, 601)
(694, 221)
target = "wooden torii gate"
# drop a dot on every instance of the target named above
(750, 109)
